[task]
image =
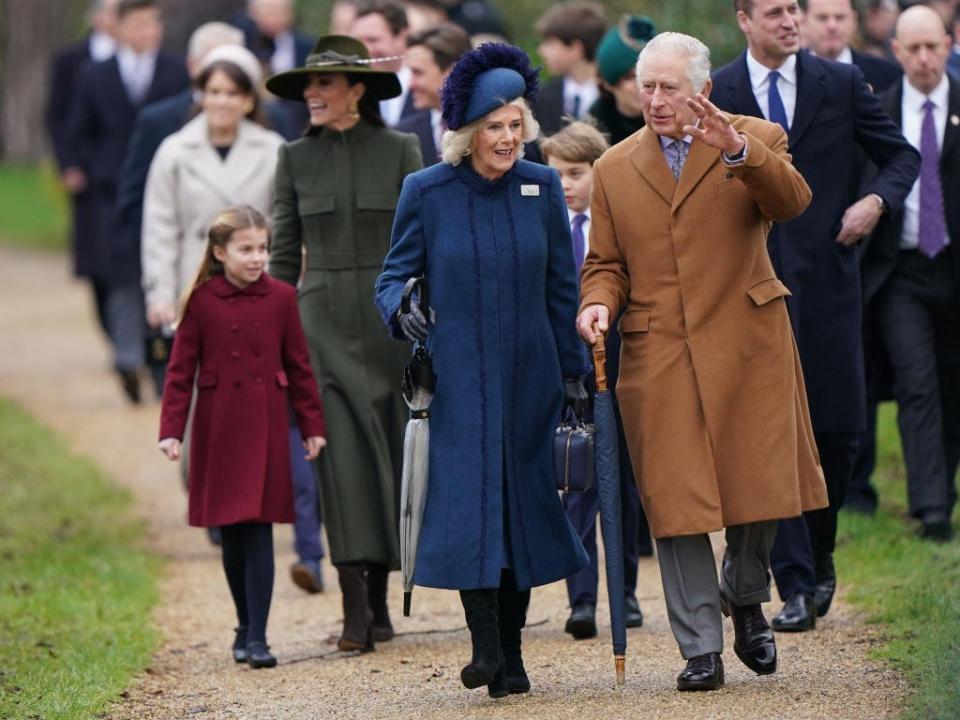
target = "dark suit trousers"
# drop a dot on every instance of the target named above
(920, 328)
(582, 510)
(861, 495)
(803, 540)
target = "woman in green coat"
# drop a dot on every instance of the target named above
(336, 193)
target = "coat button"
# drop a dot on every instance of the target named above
(256, 326)
(235, 355)
(234, 328)
(257, 353)
(236, 383)
(259, 380)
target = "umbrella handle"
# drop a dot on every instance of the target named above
(600, 359)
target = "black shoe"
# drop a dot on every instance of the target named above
(357, 615)
(240, 644)
(215, 536)
(703, 672)
(797, 615)
(130, 382)
(826, 576)
(936, 527)
(480, 609)
(258, 656)
(582, 622)
(634, 615)
(753, 639)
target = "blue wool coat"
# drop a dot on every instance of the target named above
(498, 260)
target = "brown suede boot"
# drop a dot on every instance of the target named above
(357, 615)
(377, 595)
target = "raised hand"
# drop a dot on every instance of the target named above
(714, 128)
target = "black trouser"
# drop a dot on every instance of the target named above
(919, 324)
(803, 542)
(248, 564)
(861, 494)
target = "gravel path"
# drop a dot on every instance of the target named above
(57, 366)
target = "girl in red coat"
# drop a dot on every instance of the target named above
(240, 338)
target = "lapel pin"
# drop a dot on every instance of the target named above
(530, 190)
(954, 120)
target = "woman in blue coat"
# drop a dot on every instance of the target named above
(489, 232)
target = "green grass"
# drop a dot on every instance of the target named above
(34, 211)
(910, 586)
(76, 585)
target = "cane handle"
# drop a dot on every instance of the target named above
(600, 358)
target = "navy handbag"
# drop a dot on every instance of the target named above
(573, 454)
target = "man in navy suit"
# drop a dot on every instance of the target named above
(826, 108)
(109, 96)
(911, 273)
(431, 54)
(100, 44)
(270, 33)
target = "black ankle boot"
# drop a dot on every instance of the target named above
(512, 617)
(382, 629)
(480, 609)
(357, 615)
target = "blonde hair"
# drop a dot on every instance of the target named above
(578, 142)
(238, 217)
(455, 144)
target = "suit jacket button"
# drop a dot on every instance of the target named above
(234, 328)
(235, 355)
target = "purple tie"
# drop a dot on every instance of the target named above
(932, 231)
(579, 242)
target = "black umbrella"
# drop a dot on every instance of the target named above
(419, 383)
(607, 476)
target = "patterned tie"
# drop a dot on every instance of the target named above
(932, 231)
(679, 159)
(778, 113)
(579, 242)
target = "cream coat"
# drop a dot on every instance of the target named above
(188, 185)
(710, 390)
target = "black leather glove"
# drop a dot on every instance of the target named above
(414, 323)
(575, 395)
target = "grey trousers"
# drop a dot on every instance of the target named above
(691, 589)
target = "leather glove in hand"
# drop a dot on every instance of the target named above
(414, 323)
(575, 395)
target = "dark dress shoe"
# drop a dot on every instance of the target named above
(130, 382)
(753, 639)
(797, 614)
(240, 645)
(258, 656)
(634, 615)
(936, 527)
(215, 536)
(582, 623)
(826, 576)
(703, 672)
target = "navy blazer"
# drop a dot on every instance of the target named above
(882, 250)
(419, 125)
(548, 109)
(835, 110)
(880, 73)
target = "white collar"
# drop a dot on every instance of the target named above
(436, 117)
(666, 142)
(913, 98)
(571, 214)
(845, 56)
(126, 54)
(759, 73)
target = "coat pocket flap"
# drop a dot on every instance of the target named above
(206, 379)
(766, 290)
(377, 201)
(282, 379)
(635, 321)
(312, 204)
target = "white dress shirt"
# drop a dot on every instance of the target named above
(786, 85)
(912, 112)
(586, 228)
(284, 53)
(136, 71)
(588, 93)
(392, 109)
(436, 127)
(101, 46)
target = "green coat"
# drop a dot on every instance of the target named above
(336, 194)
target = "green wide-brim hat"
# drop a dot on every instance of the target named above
(337, 54)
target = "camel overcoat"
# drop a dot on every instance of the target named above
(710, 389)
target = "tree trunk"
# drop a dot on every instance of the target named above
(30, 32)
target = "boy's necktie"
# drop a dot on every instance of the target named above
(579, 241)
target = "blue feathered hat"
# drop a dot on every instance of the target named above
(485, 79)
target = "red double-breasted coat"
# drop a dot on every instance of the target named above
(246, 350)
